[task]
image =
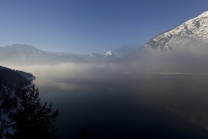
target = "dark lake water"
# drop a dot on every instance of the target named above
(129, 108)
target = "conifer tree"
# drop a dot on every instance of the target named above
(33, 120)
(83, 134)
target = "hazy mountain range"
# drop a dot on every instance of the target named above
(188, 34)
(27, 54)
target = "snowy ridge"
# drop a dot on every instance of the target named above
(109, 53)
(24, 52)
(109, 57)
(204, 14)
(27, 54)
(190, 33)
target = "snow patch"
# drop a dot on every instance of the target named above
(110, 53)
(187, 34)
(204, 14)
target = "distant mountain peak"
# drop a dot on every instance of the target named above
(109, 57)
(109, 53)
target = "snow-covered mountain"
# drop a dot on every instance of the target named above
(189, 34)
(109, 57)
(24, 54)
(192, 33)
(27, 54)
(17, 54)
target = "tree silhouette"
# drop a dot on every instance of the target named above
(83, 134)
(32, 120)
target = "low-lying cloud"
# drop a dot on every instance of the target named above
(176, 81)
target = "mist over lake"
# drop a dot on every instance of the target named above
(163, 95)
(115, 70)
(128, 106)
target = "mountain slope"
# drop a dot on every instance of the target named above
(66, 59)
(26, 54)
(11, 57)
(93, 58)
(109, 57)
(188, 34)
(80, 58)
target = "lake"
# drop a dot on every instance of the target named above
(127, 107)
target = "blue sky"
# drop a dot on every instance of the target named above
(86, 26)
